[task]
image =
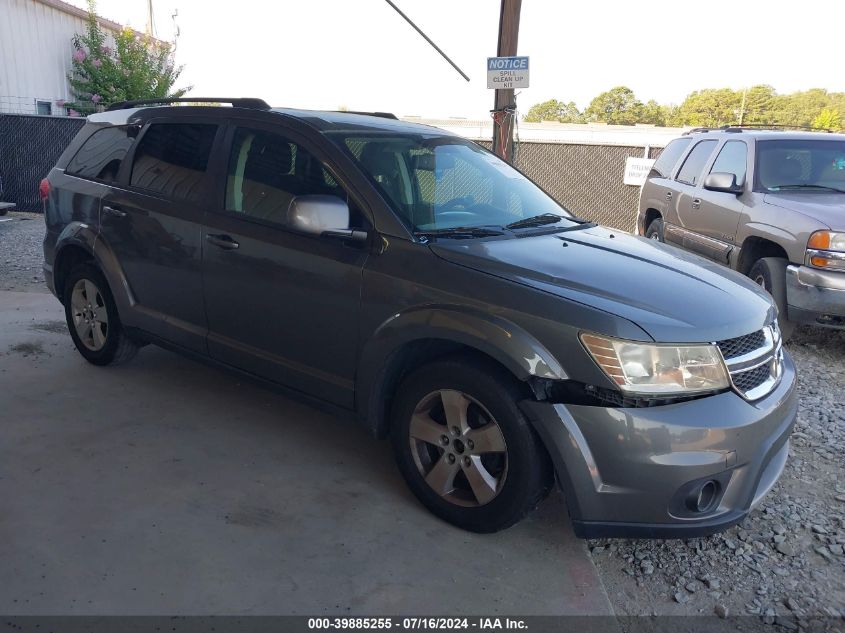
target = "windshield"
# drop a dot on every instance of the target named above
(438, 183)
(801, 165)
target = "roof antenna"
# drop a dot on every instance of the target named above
(428, 39)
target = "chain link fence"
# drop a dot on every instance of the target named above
(29, 148)
(584, 178)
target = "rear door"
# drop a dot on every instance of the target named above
(281, 304)
(688, 222)
(153, 224)
(657, 192)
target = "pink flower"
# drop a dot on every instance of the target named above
(73, 113)
(96, 98)
(79, 56)
(106, 50)
(97, 63)
(60, 103)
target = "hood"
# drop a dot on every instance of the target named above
(673, 295)
(827, 208)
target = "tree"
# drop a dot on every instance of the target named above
(709, 108)
(554, 110)
(654, 113)
(828, 119)
(617, 106)
(138, 67)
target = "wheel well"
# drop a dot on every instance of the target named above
(650, 216)
(66, 260)
(753, 248)
(405, 360)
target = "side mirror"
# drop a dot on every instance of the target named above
(323, 215)
(724, 182)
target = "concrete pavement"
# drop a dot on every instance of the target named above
(167, 487)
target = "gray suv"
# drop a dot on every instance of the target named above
(769, 204)
(409, 276)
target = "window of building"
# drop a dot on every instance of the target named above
(171, 159)
(43, 107)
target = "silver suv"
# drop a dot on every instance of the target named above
(770, 204)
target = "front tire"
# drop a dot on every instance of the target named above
(92, 318)
(770, 274)
(463, 446)
(655, 230)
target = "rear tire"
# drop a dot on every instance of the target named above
(463, 446)
(770, 274)
(655, 230)
(92, 318)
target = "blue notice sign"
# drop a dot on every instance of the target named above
(507, 72)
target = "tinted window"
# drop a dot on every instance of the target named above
(266, 171)
(171, 159)
(731, 160)
(694, 164)
(101, 155)
(668, 158)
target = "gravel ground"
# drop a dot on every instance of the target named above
(784, 565)
(21, 253)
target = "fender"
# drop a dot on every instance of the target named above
(522, 354)
(85, 236)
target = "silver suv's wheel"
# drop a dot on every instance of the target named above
(92, 317)
(458, 448)
(466, 450)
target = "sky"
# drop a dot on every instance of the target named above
(361, 55)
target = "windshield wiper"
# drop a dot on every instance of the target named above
(460, 232)
(806, 186)
(535, 220)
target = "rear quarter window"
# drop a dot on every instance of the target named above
(665, 163)
(101, 155)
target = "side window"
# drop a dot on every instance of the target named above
(171, 159)
(669, 157)
(694, 164)
(266, 171)
(732, 160)
(100, 156)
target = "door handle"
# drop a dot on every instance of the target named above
(668, 195)
(696, 203)
(222, 241)
(114, 211)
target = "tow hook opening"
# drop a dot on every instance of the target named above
(703, 497)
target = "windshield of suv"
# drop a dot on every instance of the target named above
(442, 184)
(801, 165)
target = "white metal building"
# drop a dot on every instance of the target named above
(35, 53)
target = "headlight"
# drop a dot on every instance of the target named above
(826, 249)
(651, 369)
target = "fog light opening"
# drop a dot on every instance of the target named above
(704, 497)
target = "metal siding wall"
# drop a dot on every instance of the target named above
(35, 54)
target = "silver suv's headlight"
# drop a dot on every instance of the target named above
(655, 369)
(826, 249)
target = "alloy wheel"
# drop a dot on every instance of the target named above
(90, 315)
(458, 448)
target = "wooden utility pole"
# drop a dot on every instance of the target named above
(504, 105)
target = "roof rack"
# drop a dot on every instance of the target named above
(383, 115)
(736, 129)
(242, 102)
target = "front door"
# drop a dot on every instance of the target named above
(281, 304)
(153, 224)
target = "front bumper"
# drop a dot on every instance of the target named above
(815, 296)
(627, 472)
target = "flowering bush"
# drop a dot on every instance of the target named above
(137, 67)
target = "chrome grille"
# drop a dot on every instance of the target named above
(754, 361)
(733, 347)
